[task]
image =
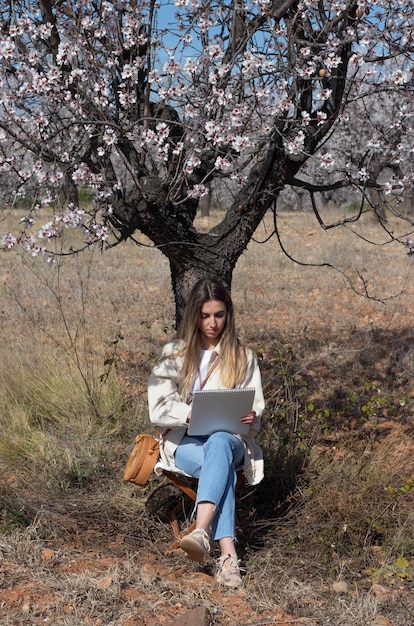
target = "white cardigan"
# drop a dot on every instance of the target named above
(170, 411)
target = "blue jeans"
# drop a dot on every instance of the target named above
(213, 460)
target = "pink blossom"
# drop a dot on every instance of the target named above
(215, 51)
(306, 118)
(128, 71)
(110, 137)
(7, 49)
(198, 191)
(192, 162)
(127, 98)
(222, 70)
(325, 94)
(374, 144)
(178, 148)
(222, 164)
(240, 143)
(238, 178)
(294, 147)
(162, 152)
(333, 61)
(9, 240)
(187, 38)
(363, 174)
(101, 232)
(172, 67)
(321, 117)
(213, 131)
(73, 217)
(327, 161)
(237, 115)
(34, 249)
(399, 77)
(222, 97)
(154, 76)
(24, 174)
(47, 231)
(191, 66)
(148, 137)
(162, 131)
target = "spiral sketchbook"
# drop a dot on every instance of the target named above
(220, 410)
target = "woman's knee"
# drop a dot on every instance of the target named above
(219, 438)
(189, 457)
(222, 441)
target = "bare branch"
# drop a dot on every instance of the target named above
(364, 292)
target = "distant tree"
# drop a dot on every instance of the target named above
(149, 102)
(374, 138)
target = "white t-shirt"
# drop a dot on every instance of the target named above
(205, 356)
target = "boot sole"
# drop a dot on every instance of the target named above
(193, 550)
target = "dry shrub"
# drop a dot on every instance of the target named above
(356, 500)
(350, 519)
(51, 428)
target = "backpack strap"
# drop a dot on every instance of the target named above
(210, 371)
(207, 376)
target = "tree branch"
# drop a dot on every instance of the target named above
(364, 292)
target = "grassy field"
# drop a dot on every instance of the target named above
(331, 528)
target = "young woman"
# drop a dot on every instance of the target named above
(206, 353)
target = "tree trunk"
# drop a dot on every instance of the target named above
(193, 255)
(205, 203)
(71, 190)
(184, 278)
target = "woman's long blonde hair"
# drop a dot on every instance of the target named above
(233, 360)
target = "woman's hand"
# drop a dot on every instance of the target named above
(249, 418)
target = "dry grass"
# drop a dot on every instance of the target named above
(79, 339)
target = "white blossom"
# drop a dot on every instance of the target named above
(363, 174)
(9, 240)
(223, 164)
(327, 161)
(192, 162)
(110, 137)
(198, 191)
(294, 147)
(47, 231)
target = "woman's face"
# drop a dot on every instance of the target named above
(211, 323)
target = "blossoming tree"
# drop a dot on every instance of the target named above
(147, 102)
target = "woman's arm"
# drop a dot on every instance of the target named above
(166, 407)
(253, 378)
